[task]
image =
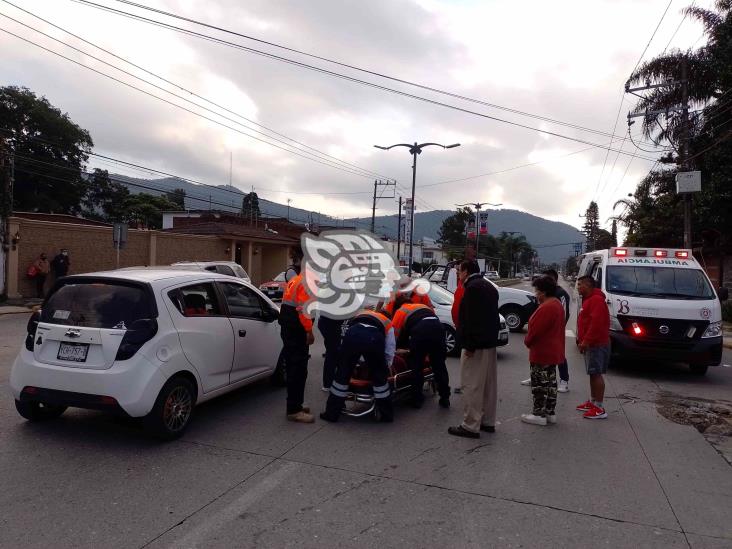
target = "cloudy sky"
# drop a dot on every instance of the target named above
(565, 60)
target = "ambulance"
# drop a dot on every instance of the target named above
(662, 305)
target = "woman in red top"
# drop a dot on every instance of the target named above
(545, 340)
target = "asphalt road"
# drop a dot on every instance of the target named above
(245, 477)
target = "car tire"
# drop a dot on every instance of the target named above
(451, 346)
(514, 319)
(38, 411)
(171, 414)
(698, 369)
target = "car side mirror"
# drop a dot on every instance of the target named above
(723, 294)
(270, 315)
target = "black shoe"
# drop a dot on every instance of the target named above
(444, 402)
(488, 428)
(461, 431)
(328, 417)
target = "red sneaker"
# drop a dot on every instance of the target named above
(585, 406)
(595, 413)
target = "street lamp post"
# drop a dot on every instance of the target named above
(414, 150)
(478, 206)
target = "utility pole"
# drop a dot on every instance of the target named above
(399, 229)
(6, 207)
(288, 208)
(379, 183)
(684, 148)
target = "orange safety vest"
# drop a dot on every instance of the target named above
(383, 320)
(296, 296)
(415, 298)
(402, 315)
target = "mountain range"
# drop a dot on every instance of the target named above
(552, 239)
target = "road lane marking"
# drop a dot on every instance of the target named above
(569, 333)
(216, 522)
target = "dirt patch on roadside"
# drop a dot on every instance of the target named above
(712, 418)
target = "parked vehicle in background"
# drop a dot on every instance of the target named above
(229, 268)
(275, 288)
(144, 343)
(662, 305)
(442, 300)
(515, 305)
(492, 275)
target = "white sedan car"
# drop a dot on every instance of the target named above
(145, 343)
(442, 301)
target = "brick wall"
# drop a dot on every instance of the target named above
(91, 249)
(177, 247)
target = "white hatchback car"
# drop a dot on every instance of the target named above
(146, 343)
(442, 301)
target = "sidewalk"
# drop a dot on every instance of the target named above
(727, 334)
(13, 310)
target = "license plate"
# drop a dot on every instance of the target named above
(73, 352)
(271, 292)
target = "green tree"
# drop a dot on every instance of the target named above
(250, 206)
(591, 227)
(652, 216)
(177, 197)
(145, 211)
(105, 199)
(452, 234)
(50, 152)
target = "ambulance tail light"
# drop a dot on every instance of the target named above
(660, 253)
(636, 329)
(621, 252)
(682, 255)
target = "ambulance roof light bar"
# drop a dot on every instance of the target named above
(660, 253)
(682, 254)
(621, 252)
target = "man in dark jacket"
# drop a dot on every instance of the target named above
(60, 264)
(478, 332)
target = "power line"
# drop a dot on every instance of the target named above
(312, 56)
(622, 98)
(311, 158)
(193, 181)
(176, 85)
(349, 78)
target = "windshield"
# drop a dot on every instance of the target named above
(241, 273)
(97, 305)
(279, 278)
(659, 282)
(440, 296)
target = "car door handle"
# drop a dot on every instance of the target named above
(242, 333)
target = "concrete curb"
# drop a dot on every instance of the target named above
(14, 310)
(727, 342)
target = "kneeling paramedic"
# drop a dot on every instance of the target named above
(417, 328)
(369, 335)
(297, 335)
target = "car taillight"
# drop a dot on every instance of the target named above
(139, 333)
(32, 327)
(637, 330)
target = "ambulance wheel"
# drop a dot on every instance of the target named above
(698, 369)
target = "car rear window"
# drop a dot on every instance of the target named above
(98, 305)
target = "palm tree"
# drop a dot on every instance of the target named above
(705, 81)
